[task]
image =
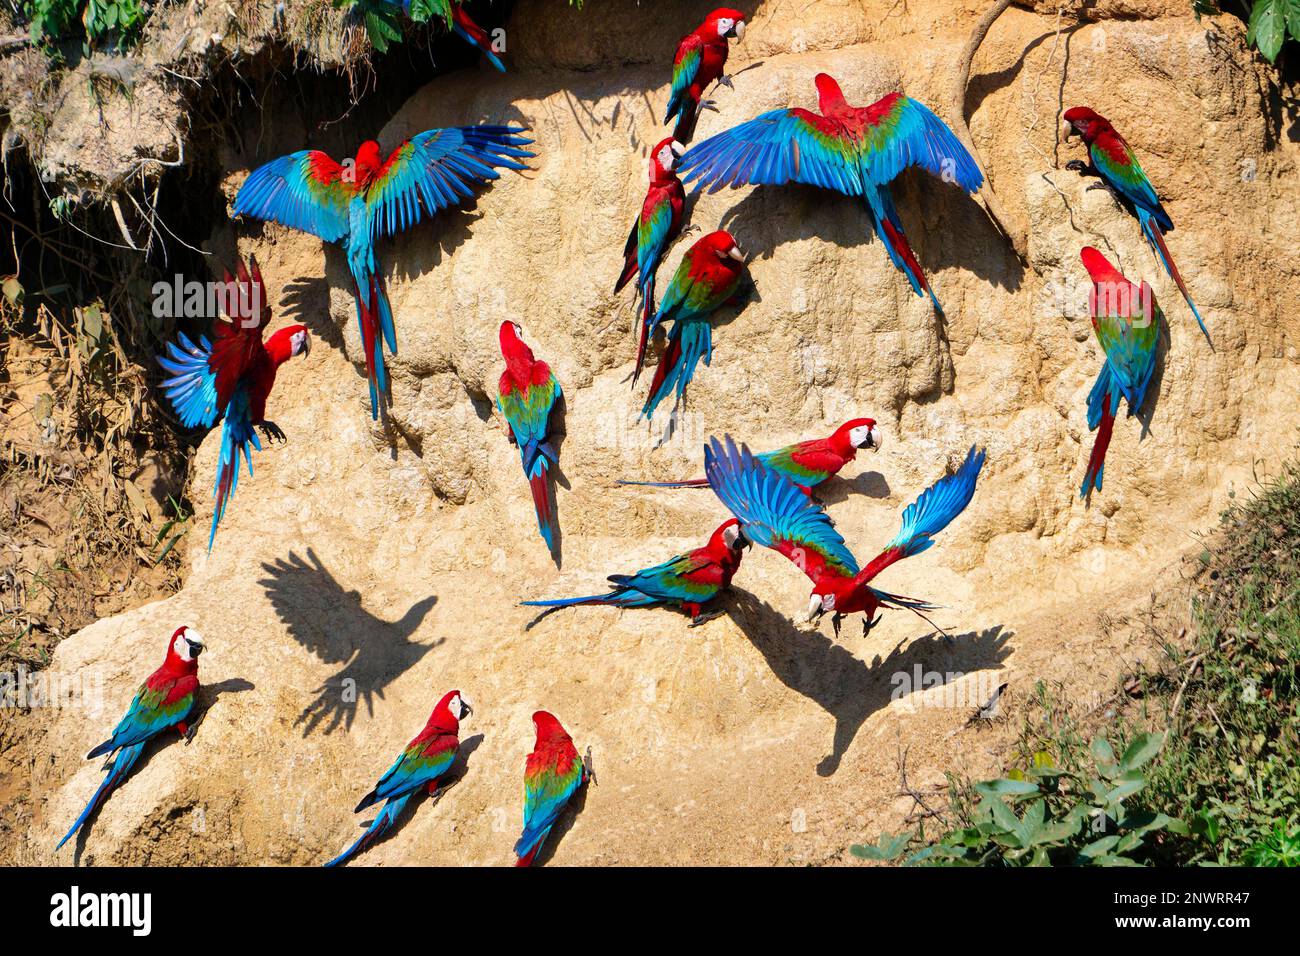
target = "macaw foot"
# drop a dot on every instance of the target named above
(702, 618)
(273, 432)
(1093, 186)
(725, 80)
(836, 622)
(868, 624)
(432, 788)
(1077, 166)
(692, 228)
(706, 105)
(588, 766)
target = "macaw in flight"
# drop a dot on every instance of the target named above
(806, 463)
(707, 279)
(774, 513)
(359, 202)
(553, 774)
(1127, 320)
(855, 151)
(1113, 160)
(659, 223)
(688, 580)
(164, 702)
(232, 378)
(527, 396)
(423, 764)
(699, 61)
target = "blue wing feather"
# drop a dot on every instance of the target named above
(192, 386)
(937, 506)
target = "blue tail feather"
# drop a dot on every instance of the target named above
(119, 767)
(382, 823)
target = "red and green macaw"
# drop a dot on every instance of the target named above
(774, 513)
(423, 765)
(1112, 159)
(164, 702)
(527, 395)
(656, 227)
(707, 278)
(553, 773)
(232, 378)
(806, 463)
(688, 580)
(855, 151)
(699, 61)
(1126, 319)
(360, 202)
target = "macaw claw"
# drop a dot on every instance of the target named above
(1077, 166)
(588, 766)
(273, 432)
(699, 619)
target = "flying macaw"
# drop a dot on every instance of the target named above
(163, 702)
(1126, 319)
(1112, 159)
(688, 580)
(855, 151)
(774, 513)
(423, 763)
(232, 378)
(806, 463)
(359, 202)
(553, 773)
(700, 58)
(707, 278)
(527, 394)
(656, 227)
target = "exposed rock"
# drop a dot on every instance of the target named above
(396, 559)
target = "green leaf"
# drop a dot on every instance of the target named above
(1099, 847)
(888, 847)
(1142, 749)
(1005, 786)
(1267, 28)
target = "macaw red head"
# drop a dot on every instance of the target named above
(722, 245)
(724, 22)
(369, 162)
(287, 342)
(185, 646)
(511, 337)
(829, 96)
(664, 157)
(451, 710)
(549, 730)
(729, 536)
(858, 433)
(1113, 294)
(1082, 121)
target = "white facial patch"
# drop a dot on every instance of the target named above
(858, 437)
(730, 536)
(725, 25)
(298, 342)
(667, 158)
(183, 641)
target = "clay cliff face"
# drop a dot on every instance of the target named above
(364, 571)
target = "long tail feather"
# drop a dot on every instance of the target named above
(541, 488)
(526, 859)
(888, 226)
(382, 823)
(1097, 459)
(473, 34)
(238, 439)
(646, 316)
(684, 483)
(120, 767)
(1151, 229)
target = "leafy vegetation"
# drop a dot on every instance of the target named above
(96, 23)
(1220, 785)
(383, 18)
(1269, 22)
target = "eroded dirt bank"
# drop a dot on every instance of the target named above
(393, 560)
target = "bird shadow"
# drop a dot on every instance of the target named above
(206, 698)
(331, 622)
(306, 300)
(869, 483)
(845, 686)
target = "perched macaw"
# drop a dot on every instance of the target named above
(1126, 319)
(707, 278)
(656, 227)
(688, 580)
(357, 203)
(774, 513)
(527, 394)
(232, 378)
(855, 151)
(699, 61)
(423, 764)
(1112, 159)
(164, 702)
(806, 463)
(553, 773)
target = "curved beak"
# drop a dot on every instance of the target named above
(735, 253)
(678, 149)
(1068, 131)
(873, 439)
(815, 608)
(738, 31)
